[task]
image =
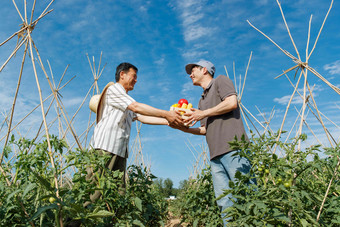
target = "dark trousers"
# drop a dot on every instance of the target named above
(115, 163)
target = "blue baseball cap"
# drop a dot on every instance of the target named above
(206, 64)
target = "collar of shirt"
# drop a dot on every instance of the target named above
(120, 87)
(206, 90)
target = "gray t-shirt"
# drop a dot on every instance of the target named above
(223, 128)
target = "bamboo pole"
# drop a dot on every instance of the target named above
(290, 36)
(284, 51)
(314, 105)
(293, 126)
(310, 129)
(14, 34)
(327, 191)
(25, 10)
(267, 122)
(241, 108)
(244, 118)
(89, 121)
(16, 7)
(13, 53)
(336, 89)
(14, 101)
(320, 118)
(43, 113)
(56, 98)
(303, 107)
(226, 71)
(323, 23)
(81, 105)
(96, 76)
(48, 6)
(308, 36)
(35, 109)
(234, 76)
(245, 75)
(286, 112)
(253, 116)
(33, 7)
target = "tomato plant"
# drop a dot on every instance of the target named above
(29, 196)
(196, 203)
(294, 190)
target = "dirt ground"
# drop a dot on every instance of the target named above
(174, 223)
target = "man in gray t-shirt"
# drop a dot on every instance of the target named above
(219, 114)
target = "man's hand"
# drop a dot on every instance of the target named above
(174, 118)
(181, 127)
(194, 116)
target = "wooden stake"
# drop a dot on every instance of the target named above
(323, 23)
(14, 100)
(291, 38)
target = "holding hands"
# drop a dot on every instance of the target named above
(193, 116)
(189, 116)
(174, 118)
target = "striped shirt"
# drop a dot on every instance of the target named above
(112, 132)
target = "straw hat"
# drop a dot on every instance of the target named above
(96, 102)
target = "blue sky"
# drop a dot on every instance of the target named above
(160, 38)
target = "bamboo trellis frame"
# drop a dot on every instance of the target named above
(304, 67)
(201, 159)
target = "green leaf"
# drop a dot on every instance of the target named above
(43, 209)
(101, 214)
(304, 222)
(138, 203)
(195, 223)
(30, 187)
(43, 181)
(138, 223)
(12, 194)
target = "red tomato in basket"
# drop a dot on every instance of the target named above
(181, 101)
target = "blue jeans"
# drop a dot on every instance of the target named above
(223, 169)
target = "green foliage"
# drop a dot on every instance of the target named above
(32, 198)
(165, 187)
(196, 203)
(289, 189)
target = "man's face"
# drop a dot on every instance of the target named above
(196, 75)
(129, 79)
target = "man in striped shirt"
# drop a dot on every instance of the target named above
(115, 113)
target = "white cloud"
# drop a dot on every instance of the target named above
(194, 54)
(187, 88)
(297, 98)
(195, 32)
(160, 61)
(333, 68)
(187, 3)
(261, 2)
(71, 102)
(191, 13)
(285, 99)
(190, 18)
(143, 9)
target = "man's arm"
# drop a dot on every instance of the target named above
(172, 117)
(227, 105)
(196, 131)
(151, 120)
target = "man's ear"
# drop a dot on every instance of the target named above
(205, 70)
(121, 75)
